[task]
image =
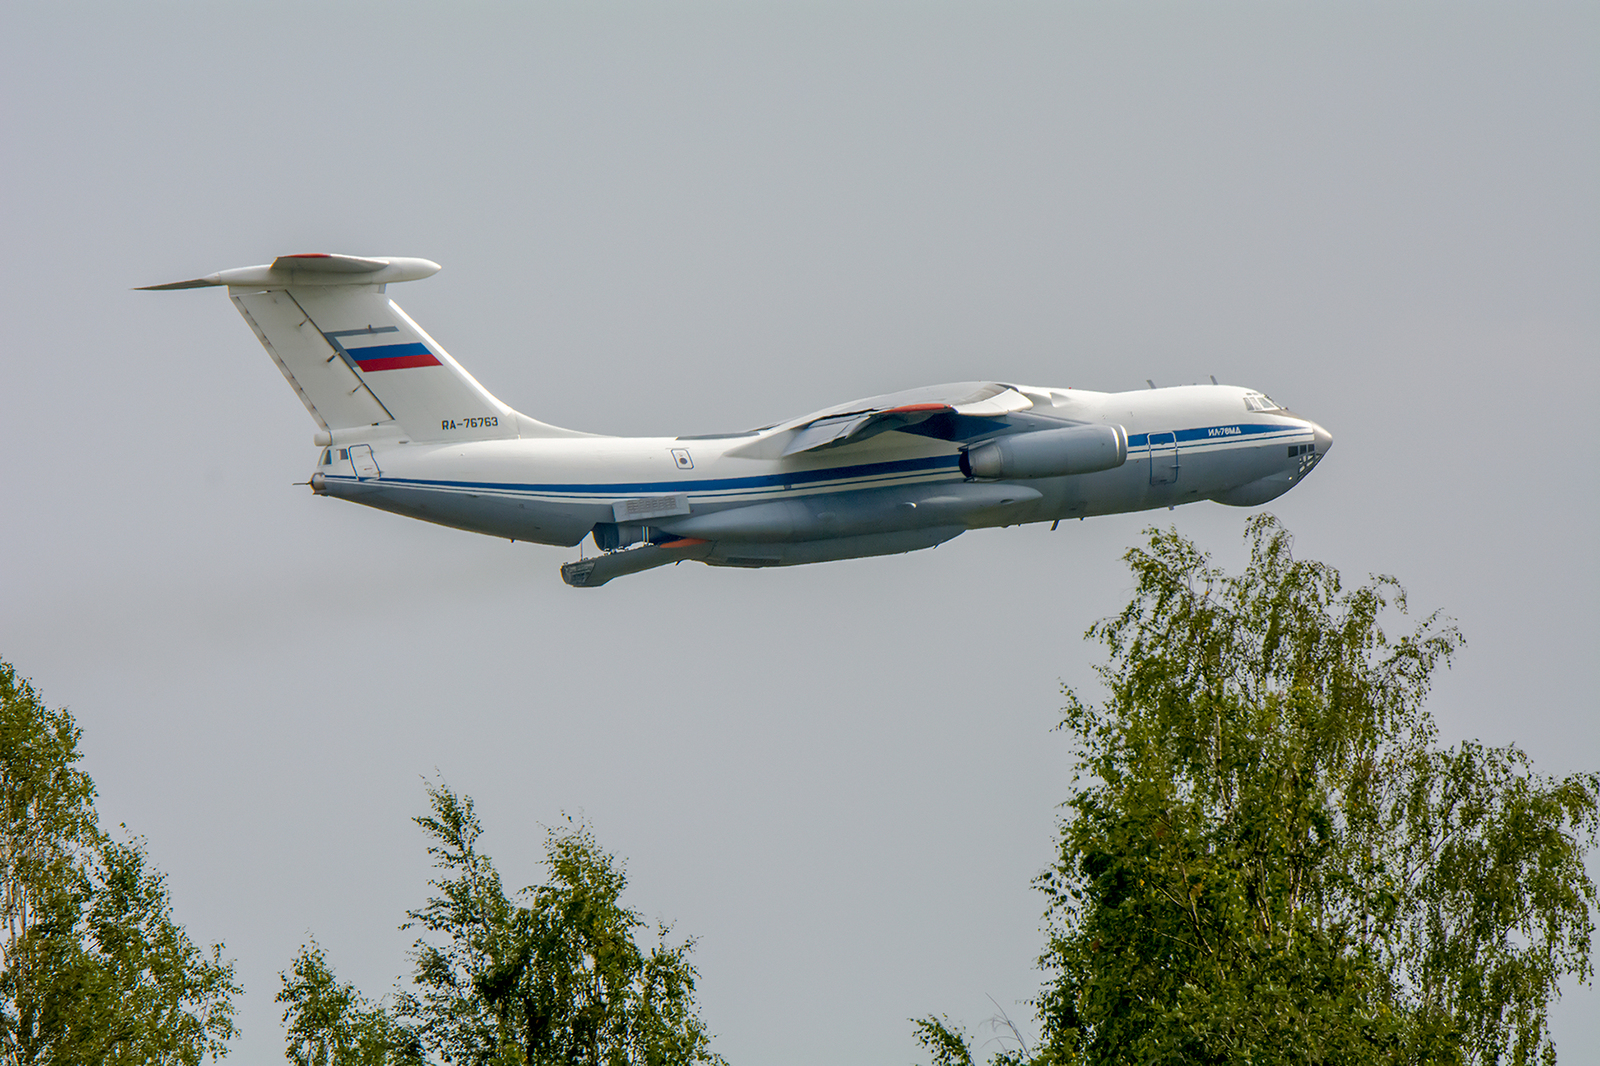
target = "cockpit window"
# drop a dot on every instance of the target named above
(1255, 401)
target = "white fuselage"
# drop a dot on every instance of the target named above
(557, 490)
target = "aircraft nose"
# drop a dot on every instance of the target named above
(1321, 439)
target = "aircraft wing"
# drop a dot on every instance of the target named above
(864, 419)
(834, 430)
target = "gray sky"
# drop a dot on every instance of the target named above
(707, 216)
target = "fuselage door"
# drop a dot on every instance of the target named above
(366, 466)
(1163, 458)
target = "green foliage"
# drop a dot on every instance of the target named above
(559, 978)
(947, 1044)
(92, 966)
(1267, 858)
(331, 1024)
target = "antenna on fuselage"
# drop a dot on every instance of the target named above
(1152, 384)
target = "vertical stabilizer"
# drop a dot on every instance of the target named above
(330, 388)
(354, 358)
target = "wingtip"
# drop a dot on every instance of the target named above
(193, 283)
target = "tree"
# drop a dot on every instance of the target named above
(92, 966)
(331, 1024)
(1267, 858)
(558, 979)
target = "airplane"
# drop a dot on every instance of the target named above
(402, 427)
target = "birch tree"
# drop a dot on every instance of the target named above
(1268, 857)
(93, 968)
(556, 974)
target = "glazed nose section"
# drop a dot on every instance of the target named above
(1321, 439)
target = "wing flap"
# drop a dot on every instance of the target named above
(852, 426)
(834, 429)
(1001, 403)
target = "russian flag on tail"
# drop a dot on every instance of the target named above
(374, 357)
(392, 357)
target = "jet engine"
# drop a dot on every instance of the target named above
(1048, 453)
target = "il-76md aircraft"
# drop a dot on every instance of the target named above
(403, 428)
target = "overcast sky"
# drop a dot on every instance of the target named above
(694, 217)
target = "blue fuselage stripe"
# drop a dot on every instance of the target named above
(1211, 433)
(874, 473)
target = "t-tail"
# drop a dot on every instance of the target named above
(354, 358)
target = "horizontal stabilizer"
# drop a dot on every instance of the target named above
(324, 263)
(197, 283)
(312, 269)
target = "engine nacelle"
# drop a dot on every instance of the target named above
(1048, 453)
(609, 536)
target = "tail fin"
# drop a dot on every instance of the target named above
(354, 358)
